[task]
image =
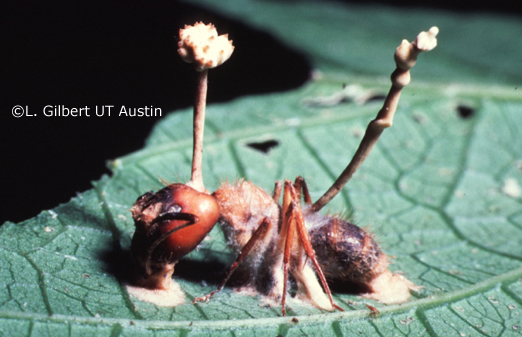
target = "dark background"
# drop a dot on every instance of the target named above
(108, 53)
(88, 53)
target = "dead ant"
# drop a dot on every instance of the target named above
(272, 241)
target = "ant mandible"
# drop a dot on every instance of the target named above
(272, 240)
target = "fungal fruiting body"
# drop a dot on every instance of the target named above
(201, 45)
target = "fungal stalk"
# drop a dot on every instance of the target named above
(200, 45)
(405, 58)
(173, 221)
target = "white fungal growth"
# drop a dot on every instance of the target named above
(201, 45)
(171, 297)
(511, 188)
(426, 41)
(406, 54)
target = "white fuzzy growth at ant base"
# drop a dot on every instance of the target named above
(390, 288)
(162, 298)
(309, 289)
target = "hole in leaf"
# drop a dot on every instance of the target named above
(465, 111)
(265, 146)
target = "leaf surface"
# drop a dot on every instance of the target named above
(442, 193)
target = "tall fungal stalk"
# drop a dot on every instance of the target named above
(201, 46)
(173, 221)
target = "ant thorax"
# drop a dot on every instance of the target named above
(243, 206)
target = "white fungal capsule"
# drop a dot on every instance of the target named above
(201, 45)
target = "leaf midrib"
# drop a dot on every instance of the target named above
(421, 304)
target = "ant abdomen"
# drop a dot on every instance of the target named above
(350, 258)
(346, 252)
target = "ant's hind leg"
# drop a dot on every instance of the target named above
(301, 187)
(307, 246)
(260, 233)
(277, 190)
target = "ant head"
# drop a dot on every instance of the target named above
(158, 215)
(185, 199)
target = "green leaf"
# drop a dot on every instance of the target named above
(441, 192)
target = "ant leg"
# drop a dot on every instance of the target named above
(288, 224)
(277, 190)
(307, 245)
(164, 217)
(260, 232)
(300, 185)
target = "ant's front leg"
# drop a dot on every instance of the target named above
(259, 234)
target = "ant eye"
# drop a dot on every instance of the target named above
(174, 209)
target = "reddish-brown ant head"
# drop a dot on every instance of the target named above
(185, 199)
(157, 214)
(169, 224)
